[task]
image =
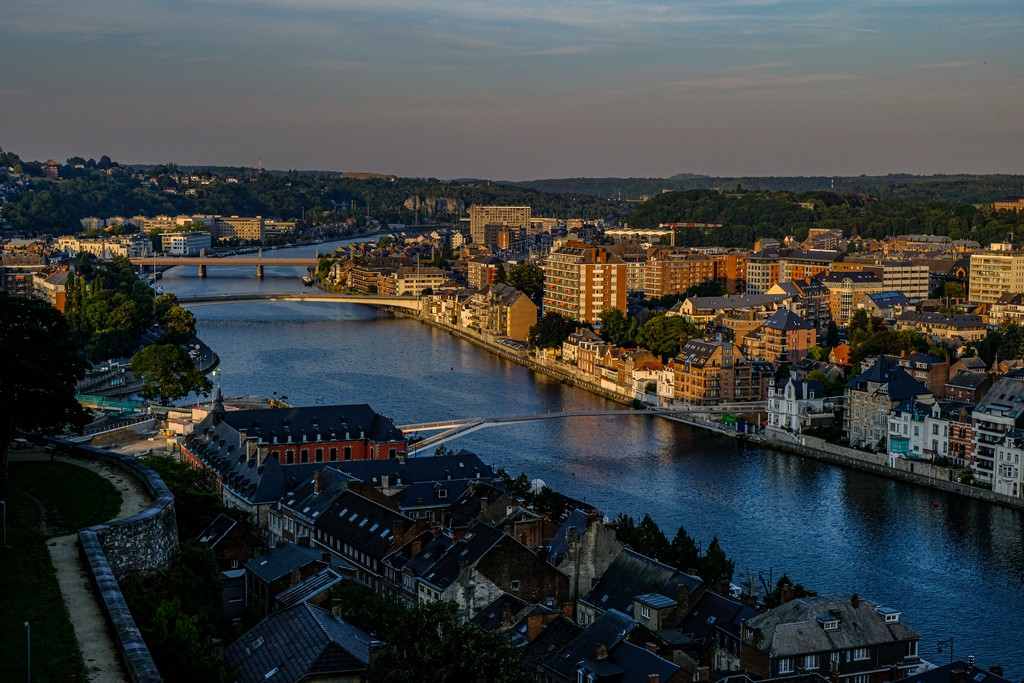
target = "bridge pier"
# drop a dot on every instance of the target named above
(202, 270)
(259, 272)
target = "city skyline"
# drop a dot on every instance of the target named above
(526, 91)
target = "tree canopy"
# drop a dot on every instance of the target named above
(168, 373)
(528, 279)
(617, 328)
(551, 331)
(40, 368)
(664, 335)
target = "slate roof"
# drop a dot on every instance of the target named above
(304, 499)
(469, 549)
(697, 351)
(631, 574)
(462, 465)
(786, 321)
(899, 384)
(492, 617)
(802, 390)
(728, 303)
(291, 644)
(625, 663)
(217, 531)
(309, 587)
(944, 674)
(970, 322)
(362, 523)
(855, 276)
(281, 561)
(545, 648)
(967, 379)
(973, 363)
(559, 547)
(793, 628)
(712, 611)
(328, 421)
(889, 299)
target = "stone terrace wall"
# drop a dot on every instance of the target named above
(144, 543)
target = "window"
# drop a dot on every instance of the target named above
(289, 457)
(333, 454)
(860, 653)
(811, 662)
(912, 648)
(304, 455)
(785, 666)
(645, 611)
(319, 454)
(514, 585)
(860, 678)
(348, 453)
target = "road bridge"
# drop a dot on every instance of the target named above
(451, 429)
(410, 303)
(204, 262)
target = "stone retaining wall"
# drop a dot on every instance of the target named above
(144, 543)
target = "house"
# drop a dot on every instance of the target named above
(278, 570)
(914, 433)
(475, 570)
(845, 289)
(794, 406)
(1001, 410)
(871, 395)
(711, 631)
(631, 575)
(233, 546)
(293, 517)
(857, 640)
(944, 326)
(303, 643)
(1006, 476)
(968, 386)
(958, 672)
(500, 310)
(583, 549)
(885, 305)
(602, 652)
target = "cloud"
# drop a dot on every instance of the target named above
(943, 65)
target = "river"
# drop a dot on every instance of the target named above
(954, 570)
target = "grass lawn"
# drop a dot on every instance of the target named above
(72, 498)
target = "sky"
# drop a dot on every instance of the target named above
(520, 89)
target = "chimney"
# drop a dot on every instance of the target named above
(534, 625)
(601, 652)
(506, 616)
(318, 482)
(417, 545)
(384, 481)
(683, 597)
(758, 637)
(396, 529)
(336, 608)
(956, 676)
(703, 673)
(653, 678)
(855, 601)
(651, 647)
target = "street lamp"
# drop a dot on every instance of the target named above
(948, 641)
(28, 650)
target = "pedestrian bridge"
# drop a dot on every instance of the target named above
(410, 303)
(450, 429)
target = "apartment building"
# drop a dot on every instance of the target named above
(707, 373)
(673, 271)
(498, 217)
(412, 280)
(845, 289)
(185, 243)
(581, 281)
(994, 272)
(1001, 411)
(784, 337)
(106, 248)
(251, 229)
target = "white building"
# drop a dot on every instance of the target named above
(795, 405)
(917, 431)
(185, 243)
(1007, 476)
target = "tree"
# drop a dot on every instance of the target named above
(528, 279)
(445, 650)
(715, 567)
(179, 325)
(953, 290)
(859, 322)
(500, 276)
(832, 336)
(167, 372)
(40, 367)
(551, 331)
(781, 374)
(664, 335)
(683, 552)
(617, 328)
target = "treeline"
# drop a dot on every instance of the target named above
(57, 205)
(749, 215)
(910, 188)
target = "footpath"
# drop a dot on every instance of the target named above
(102, 663)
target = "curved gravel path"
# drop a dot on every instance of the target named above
(102, 663)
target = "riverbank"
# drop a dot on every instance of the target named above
(919, 473)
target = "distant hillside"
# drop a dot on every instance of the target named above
(947, 188)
